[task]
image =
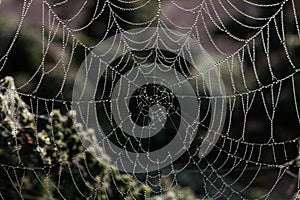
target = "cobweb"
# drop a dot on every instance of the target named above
(250, 48)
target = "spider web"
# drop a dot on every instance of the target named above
(251, 46)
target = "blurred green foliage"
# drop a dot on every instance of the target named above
(52, 162)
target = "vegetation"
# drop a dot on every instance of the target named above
(49, 161)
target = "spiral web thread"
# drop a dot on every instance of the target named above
(247, 58)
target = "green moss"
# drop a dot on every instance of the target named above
(60, 166)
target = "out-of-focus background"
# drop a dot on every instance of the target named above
(255, 45)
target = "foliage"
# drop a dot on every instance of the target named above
(52, 162)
